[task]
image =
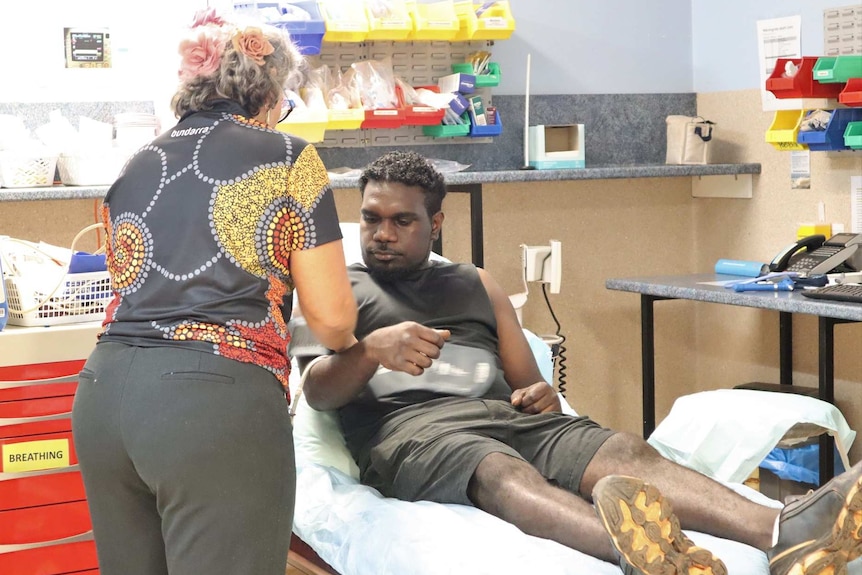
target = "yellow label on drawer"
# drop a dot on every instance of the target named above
(35, 455)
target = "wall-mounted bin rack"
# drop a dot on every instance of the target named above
(394, 24)
(801, 83)
(833, 137)
(484, 20)
(838, 69)
(784, 132)
(345, 20)
(852, 93)
(853, 135)
(489, 80)
(433, 19)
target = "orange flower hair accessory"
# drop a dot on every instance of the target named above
(253, 44)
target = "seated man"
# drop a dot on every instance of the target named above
(441, 399)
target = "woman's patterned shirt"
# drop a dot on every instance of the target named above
(201, 224)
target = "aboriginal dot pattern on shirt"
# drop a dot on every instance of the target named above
(201, 224)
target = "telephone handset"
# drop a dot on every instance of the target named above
(816, 255)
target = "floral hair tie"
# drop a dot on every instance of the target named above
(201, 56)
(253, 44)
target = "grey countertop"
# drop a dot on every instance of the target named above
(700, 287)
(460, 178)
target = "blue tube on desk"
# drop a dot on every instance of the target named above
(740, 268)
(783, 285)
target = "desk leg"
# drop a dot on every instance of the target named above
(785, 347)
(826, 391)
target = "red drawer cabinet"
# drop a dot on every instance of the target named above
(45, 524)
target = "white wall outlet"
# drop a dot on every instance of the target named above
(544, 264)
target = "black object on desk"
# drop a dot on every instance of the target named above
(702, 287)
(851, 293)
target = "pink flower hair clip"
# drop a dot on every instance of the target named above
(201, 55)
(207, 16)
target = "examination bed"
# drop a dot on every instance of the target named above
(356, 531)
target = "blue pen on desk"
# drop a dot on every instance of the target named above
(783, 285)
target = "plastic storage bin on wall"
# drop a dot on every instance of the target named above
(833, 137)
(433, 19)
(802, 83)
(345, 20)
(489, 80)
(484, 20)
(389, 21)
(838, 69)
(306, 123)
(306, 34)
(784, 132)
(853, 135)
(851, 95)
(494, 129)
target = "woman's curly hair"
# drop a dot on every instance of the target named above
(239, 78)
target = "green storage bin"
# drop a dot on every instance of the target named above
(447, 131)
(837, 69)
(853, 136)
(482, 80)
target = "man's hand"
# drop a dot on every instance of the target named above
(537, 398)
(408, 346)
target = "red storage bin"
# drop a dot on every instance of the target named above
(802, 84)
(54, 559)
(851, 95)
(41, 488)
(383, 118)
(418, 115)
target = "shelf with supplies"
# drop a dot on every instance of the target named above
(428, 65)
(830, 116)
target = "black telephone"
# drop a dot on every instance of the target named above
(816, 255)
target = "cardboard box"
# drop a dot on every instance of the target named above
(557, 147)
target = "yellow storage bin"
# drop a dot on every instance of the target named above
(484, 20)
(305, 123)
(345, 20)
(433, 19)
(345, 119)
(388, 20)
(784, 131)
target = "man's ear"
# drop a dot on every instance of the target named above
(436, 225)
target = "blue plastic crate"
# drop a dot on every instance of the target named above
(833, 137)
(307, 35)
(484, 131)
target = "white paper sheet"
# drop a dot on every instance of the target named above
(778, 38)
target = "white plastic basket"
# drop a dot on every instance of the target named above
(23, 170)
(91, 169)
(81, 297)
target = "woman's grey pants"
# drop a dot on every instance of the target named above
(188, 463)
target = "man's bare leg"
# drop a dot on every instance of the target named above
(514, 491)
(701, 503)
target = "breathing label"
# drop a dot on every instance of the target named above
(35, 455)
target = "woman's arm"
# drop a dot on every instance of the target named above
(323, 290)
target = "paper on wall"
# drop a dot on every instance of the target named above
(778, 38)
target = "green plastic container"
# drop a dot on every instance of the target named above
(838, 69)
(443, 131)
(853, 136)
(482, 80)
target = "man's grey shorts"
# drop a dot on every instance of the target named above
(430, 452)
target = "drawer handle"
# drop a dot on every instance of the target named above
(25, 382)
(37, 419)
(86, 536)
(9, 476)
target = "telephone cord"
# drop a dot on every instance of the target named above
(561, 353)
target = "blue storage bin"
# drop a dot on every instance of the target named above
(484, 131)
(833, 137)
(306, 34)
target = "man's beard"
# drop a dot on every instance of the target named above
(390, 274)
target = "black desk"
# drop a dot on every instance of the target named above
(694, 287)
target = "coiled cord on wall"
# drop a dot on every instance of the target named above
(561, 353)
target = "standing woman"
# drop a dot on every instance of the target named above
(181, 418)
